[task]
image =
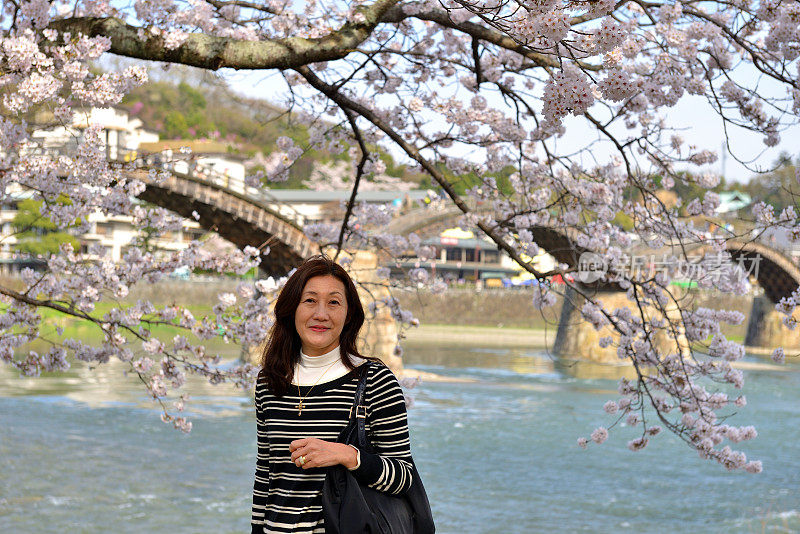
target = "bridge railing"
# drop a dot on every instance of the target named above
(184, 163)
(187, 165)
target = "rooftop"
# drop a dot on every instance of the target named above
(732, 201)
(311, 196)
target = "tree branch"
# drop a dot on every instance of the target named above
(483, 33)
(359, 173)
(213, 53)
(346, 103)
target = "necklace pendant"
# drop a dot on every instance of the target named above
(299, 408)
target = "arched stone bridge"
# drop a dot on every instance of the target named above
(777, 274)
(422, 219)
(236, 216)
(225, 205)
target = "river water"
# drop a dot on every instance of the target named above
(86, 452)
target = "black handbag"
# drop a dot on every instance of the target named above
(350, 507)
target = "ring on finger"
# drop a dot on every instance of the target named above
(302, 460)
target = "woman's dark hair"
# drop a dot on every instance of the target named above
(282, 352)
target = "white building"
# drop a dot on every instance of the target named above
(112, 233)
(122, 134)
(323, 206)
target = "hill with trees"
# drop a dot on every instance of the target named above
(247, 126)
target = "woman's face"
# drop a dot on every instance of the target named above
(321, 314)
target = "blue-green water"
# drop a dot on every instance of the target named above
(86, 452)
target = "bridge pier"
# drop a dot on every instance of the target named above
(379, 333)
(765, 329)
(577, 339)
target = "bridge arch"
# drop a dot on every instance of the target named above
(226, 205)
(234, 215)
(777, 274)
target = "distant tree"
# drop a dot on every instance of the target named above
(36, 234)
(175, 125)
(192, 97)
(778, 188)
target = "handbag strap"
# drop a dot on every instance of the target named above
(358, 412)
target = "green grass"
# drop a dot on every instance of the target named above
(91, 333)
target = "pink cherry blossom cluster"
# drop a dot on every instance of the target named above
(545, 29)
(617, 85)
(610, 35)
(567, 92)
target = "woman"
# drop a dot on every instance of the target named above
(303, 397)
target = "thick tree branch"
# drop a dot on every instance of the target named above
(211, 52)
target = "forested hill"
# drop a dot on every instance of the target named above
(246, 125)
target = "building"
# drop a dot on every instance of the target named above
(112, 233)
(730, 202)
(125, 139)
(121, 133)
(459, 255)
(325, 206)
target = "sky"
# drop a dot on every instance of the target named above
(698, 125)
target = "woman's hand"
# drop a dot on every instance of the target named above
(319, 453)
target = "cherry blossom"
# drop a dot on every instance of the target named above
(453, 89)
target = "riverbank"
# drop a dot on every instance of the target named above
(531, 338)
(487, 336)
(512, 309)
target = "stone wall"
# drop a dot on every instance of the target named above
(578, 339)
(379, 334)
(504, 308)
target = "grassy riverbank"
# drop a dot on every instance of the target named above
(513, 313)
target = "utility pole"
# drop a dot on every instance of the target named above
(724, 159)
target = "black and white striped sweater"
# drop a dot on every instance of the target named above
(287, 498)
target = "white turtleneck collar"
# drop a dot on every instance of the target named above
(323, 360)
(312, 370)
